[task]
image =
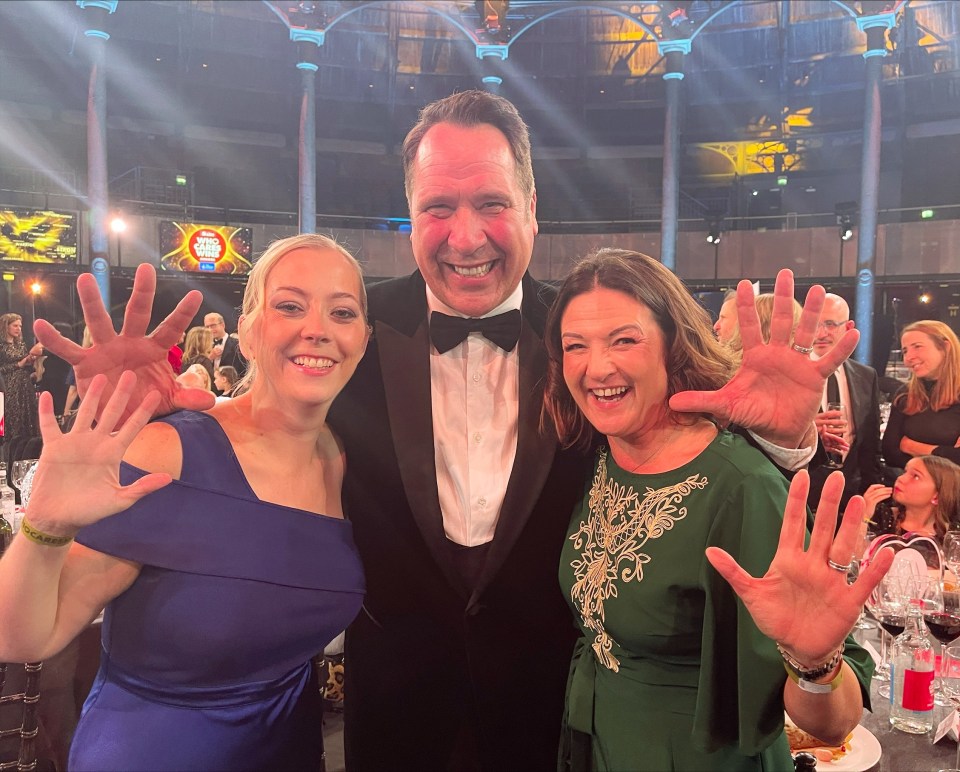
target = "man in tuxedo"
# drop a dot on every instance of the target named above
(459, 501)
(226, 348)
(856, 386)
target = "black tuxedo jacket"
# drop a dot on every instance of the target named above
(863, 466)
(231, 355)
(436, 671)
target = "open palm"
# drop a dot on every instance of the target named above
(801, 602)
(133, 350)
(777, 390)
(77, 481)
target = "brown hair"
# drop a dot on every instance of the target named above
(473, 108)
(6, 320)
(694, 357)
(946, 482)
(764, 304)
(946, 389)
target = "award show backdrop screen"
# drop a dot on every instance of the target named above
(197, 248)
(38, 236)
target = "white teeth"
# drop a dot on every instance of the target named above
(609, 392)
(314, 362)
(477, 270)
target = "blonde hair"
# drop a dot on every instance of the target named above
(198, 344)
(764, 304)
(254, 296)
(946, 389)
(201, 372)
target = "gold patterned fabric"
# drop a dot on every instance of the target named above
(671, 672)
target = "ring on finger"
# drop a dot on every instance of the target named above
(837, 567)
(805, 350)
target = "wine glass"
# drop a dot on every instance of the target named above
(19, 470)
(835, 458)
(950, 679)
(951, 554)
(888, 603)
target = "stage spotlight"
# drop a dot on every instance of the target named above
(846, 229)
(846, 212)
(714, 230)
(118, 224)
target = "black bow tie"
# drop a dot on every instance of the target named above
(449, 331)
(217, 341)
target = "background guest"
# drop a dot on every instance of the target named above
(925, 416)
(925, 499)
(195, 377)
(16, 367)
(56, 376)
(198, 349)
(226, 349)
(225, 379)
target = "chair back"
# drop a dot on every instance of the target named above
(18, 716)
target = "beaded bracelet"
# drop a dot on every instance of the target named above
(40, 537)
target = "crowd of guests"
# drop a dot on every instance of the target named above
(417, 465)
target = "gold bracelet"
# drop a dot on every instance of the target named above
(43, 538)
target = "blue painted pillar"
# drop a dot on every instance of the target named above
(674, 51)
(490, 55)
(875, 26)
(97, 189)
(308, 41)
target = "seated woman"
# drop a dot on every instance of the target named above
(925, 415)
(223, 582)
(225, 379)
(924, 500)
(671, 671)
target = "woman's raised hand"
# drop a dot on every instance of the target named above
(778, 388)
(802, 602)
(873, 496)
(77, 481)
(146, 355)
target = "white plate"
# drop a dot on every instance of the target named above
(864, 753)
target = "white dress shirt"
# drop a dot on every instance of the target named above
(475, 394)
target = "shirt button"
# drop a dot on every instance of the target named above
(477, 437)
(476, 377)
(482, 501)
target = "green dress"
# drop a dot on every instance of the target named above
(671, 673)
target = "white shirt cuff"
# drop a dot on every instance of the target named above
(791, 459)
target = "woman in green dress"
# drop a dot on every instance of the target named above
(673, 671)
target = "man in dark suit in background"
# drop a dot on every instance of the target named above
(856, 387)
(226, 348)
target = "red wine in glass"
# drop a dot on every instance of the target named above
(943, 625)
(893, 624)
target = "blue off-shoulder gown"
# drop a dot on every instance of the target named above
(205, 661)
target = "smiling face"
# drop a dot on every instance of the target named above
(922, 354)
(472, 227)
(614, 362)
(915, 488)
(311, 333)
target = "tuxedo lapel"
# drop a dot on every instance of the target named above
(404, 355)
(858, 397)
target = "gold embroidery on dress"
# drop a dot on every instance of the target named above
(618, 525)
